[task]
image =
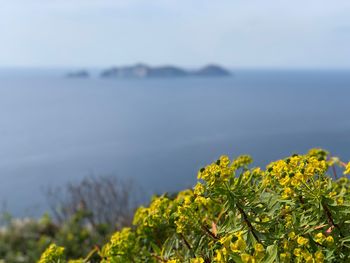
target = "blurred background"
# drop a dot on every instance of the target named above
(284, 88)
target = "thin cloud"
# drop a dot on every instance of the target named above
(237, 33)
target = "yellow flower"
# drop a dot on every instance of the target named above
(285, 244)
(224, 161)
(284, 181)
(347, 169)
(302, 241)
(332, 194)
(241, 161)
(239, 245)
(319, 238)
(289, 221)
(266, 181)
(291, 235)
(319, 257)
(259, 252)
(197, 260)
(330, 240)
(287, 192)
(246, 258)
(52, 254)
(340, 201)
(221, 255)
(307, 257)
(259, 248)
(297, 252)
(265, 219)
(198, 189)
(297, 179)
(285, 257)
(187, 201)
(257, 170)
(200, 200)
(225, 240)
(239, 234)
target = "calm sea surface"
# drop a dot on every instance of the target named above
(159, 131)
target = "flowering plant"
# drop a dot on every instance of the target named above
(294, 211)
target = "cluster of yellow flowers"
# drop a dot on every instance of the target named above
(295, 172)
(156, 214)
(235, 243)
(299, 247)
(121, 245)
(223, 169)
(294, 211)
(52, 254)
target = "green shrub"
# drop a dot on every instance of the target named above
(293, 211)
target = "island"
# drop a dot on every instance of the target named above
(212, 71)
(78, 74)
(145, 71)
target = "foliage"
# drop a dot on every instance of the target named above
(107, 201)
(23, 240)
(52, 254)
(291, 212)
(81, 229)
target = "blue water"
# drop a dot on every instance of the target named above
(159, 131)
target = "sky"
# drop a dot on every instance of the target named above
(235, 33)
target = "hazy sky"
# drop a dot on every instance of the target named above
(236, 33)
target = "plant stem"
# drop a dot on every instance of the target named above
(246, 220)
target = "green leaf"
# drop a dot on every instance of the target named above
(236, 258)
(155, 248)
(271, 254)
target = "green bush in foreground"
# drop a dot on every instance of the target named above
(83, 215)
(291, 212)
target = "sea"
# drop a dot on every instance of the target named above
(158, 132)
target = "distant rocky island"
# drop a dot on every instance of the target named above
(78, 74)
(146, 71)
